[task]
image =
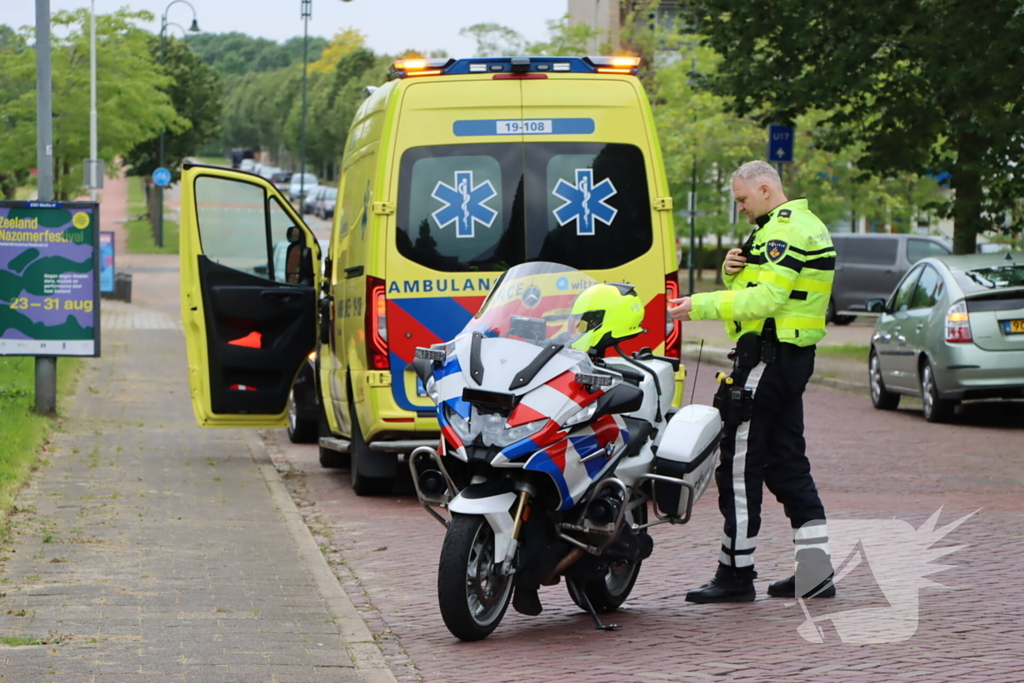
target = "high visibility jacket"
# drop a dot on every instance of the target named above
(788, 277)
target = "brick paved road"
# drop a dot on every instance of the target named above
(869, 465)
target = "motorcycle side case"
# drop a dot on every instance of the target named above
(687, 450)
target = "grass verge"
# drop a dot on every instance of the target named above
(22, 431)
(140, 237)
(139, 230)
(849, 351)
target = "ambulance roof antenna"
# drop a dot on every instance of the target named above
(696, 370)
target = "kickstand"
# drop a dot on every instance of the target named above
(581, 597)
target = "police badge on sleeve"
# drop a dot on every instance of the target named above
(775, 250)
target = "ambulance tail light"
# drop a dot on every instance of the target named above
(376, 325)
(958, 324)
(673, 328)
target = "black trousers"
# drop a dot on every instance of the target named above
(769, 450)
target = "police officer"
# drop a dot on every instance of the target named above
(779, 285)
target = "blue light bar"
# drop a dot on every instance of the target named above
(497, 65)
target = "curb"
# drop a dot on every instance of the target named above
(370, 664)
(720, 356)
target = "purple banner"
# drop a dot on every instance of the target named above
(49, 291)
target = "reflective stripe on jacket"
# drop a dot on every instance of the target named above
(788, 277)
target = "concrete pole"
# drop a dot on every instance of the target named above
(46, 366)
(307, 12)
(93, 135)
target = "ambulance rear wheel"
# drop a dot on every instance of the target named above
(373, 472)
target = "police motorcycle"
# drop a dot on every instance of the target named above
(550, 451)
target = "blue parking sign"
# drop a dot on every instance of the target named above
(780, 144)
(161, 177)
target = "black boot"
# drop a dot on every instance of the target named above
(814, 576)
(787, 589)
(729, 585)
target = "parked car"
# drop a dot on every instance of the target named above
(325, 202)
(247, 165)
(869, 266)
(281, 179)
(268, 171)
(952, 330)
(301, 184)
(309, 203)
(304, 415)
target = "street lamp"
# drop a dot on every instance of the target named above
(158, 228)
(307, 13)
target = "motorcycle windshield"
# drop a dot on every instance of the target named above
(533, 302)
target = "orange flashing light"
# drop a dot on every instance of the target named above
(614, 71)
(429, 72)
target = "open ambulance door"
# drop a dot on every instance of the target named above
(250, 274)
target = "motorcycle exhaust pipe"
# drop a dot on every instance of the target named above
(432, 483)
(563, 564)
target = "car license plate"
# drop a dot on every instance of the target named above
(420, 389)
(1013, 326)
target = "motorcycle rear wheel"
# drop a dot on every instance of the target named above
(608, 592)
(472, 596)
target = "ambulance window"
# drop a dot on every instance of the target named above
(460, 207)
(596, 206)
(233, 224)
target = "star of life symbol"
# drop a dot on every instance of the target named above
(464, 204)
(888, 558)
(585, 202)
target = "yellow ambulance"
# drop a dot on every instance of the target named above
(454, 171)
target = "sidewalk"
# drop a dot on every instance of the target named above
(146, 549)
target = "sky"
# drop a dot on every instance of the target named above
(390, 26)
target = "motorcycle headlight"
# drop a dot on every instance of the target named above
(491, 426)
(514, 434)
(583, 415)
(460, 424)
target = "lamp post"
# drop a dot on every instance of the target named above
(158, 227)
(307, 13)
(93, 139)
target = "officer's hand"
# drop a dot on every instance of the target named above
(734, 261)
(680, 308)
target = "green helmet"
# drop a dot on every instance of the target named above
(604, 315)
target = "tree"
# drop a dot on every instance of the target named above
(344, 42)
(925, 86)
(237, 53)
(196, 93)
(131, 105)
(564, 40)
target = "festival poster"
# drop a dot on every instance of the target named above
(49, 284)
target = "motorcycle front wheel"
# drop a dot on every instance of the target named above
(471, 593)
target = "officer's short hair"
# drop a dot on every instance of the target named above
(758, 170)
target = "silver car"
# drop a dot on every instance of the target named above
(952, 330)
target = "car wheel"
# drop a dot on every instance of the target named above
(299, 430)
(936, 409)
(880, 398)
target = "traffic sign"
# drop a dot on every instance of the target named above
(161, 177)
(780, 144)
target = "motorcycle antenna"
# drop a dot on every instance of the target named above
(700, 352)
